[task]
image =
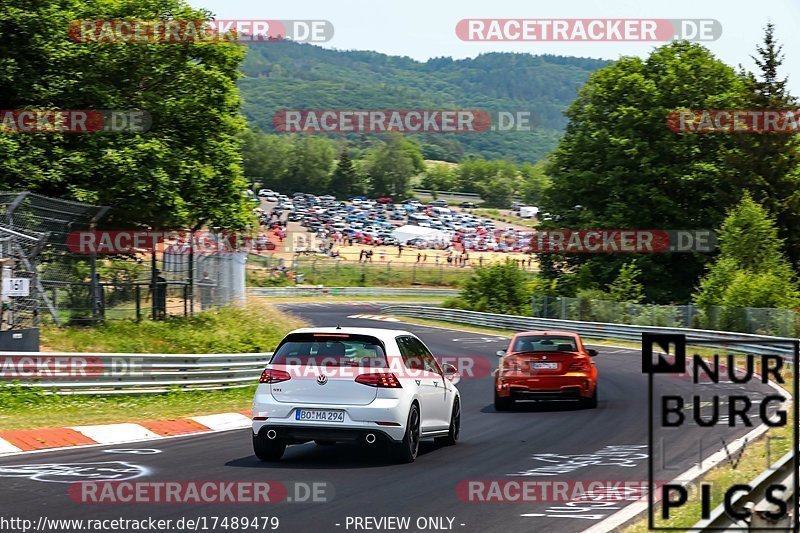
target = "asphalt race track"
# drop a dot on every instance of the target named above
(510, 445)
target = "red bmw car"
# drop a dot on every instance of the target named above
(545, 365)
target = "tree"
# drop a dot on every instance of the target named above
(492, 180)
(186, 169)
(769, 164)
(627, 287)
(497, 192)
(621, 163)
(534, 183)
(309, 165)
(344, 179)
(265, 157)
(391, 166)
(439, 177)
(751, 270)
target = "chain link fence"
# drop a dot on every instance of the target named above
(68, 286)
(19, 309)
(759, 321)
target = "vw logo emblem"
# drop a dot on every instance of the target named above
(322, 380)
(544, 357)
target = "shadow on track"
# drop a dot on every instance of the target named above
(541, 406)
(335, 457)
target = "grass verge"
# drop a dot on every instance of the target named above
(24, 408)
(256, 327)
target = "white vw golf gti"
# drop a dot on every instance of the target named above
(370, 386)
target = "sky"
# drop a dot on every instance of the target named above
(422, 29)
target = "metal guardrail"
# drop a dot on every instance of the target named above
(598, 330)
(130, 373)
(349, 291)
(449, 195)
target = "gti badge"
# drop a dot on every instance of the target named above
(322, 380)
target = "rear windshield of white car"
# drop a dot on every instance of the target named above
(330, 349)
(544, 343)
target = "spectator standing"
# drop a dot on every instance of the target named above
(207, 286)
(158, 290)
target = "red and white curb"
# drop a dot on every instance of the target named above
(376, 317)
(28, 440)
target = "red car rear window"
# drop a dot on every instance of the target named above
(544, 343)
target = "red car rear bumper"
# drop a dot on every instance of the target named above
(574, 385)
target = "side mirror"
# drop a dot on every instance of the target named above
(501, 353)
(592, 352)
(451, 373)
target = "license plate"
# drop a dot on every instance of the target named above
(545, 366)
(319, 415)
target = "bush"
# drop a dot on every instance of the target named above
(499, 288)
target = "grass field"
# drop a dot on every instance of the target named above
(334, 274)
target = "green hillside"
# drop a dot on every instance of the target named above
(287, 75)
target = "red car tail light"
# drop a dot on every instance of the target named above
(274, 376)
(579, 366)
(379, 380)
(512, 365)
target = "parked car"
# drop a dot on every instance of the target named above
(438, 203)
(466, 205)
(361, 385)
(545, 365)
(385, 200)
